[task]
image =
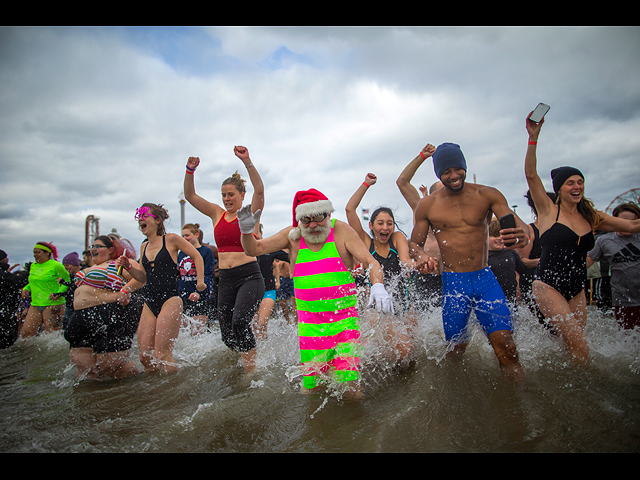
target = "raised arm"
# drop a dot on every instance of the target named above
(408, 191)
(203, 206)
(543, 203)
(257, 200)
(353, 203)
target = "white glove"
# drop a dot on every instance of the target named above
(381, 298)
(247, 220)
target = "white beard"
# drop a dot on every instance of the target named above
(318, 235)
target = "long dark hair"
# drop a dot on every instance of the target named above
(380, 210)
(532, 204)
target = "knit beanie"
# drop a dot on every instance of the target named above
(561, 174)
(446, 156)
(71, 259)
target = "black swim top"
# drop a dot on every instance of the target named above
(162, 272)
(391, 263)
(563, 262)
(536, 248)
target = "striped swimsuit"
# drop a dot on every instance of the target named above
(100, 277)
(328, 323)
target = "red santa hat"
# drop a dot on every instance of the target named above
(308, 203)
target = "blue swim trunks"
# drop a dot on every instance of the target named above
(270, 294)
(480, 291)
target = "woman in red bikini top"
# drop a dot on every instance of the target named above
(241, 284)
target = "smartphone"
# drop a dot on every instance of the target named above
(539, 113)
(508, 221)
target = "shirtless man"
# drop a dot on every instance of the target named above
(459, 215)
(322, 252)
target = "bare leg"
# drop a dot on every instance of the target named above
(116, 365)
(457, 351)
(166, 333)
(266, 307)
(85, 361)
(52, 318)
(199, 325)
(567, 318)
(393, 336)
(32, 322)
(505, 349)
(249, 360)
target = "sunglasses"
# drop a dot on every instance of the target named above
(97, 246)
(143, 213)
(316, 218)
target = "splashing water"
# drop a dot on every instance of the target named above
(416, 399)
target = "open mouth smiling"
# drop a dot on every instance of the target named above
(576, 194)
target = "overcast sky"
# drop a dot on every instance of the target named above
(97, 121)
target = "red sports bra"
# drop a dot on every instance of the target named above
(227, 235)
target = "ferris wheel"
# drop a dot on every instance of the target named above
(630, 196)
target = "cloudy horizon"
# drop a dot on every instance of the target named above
(98, 120)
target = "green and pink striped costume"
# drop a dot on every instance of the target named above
(328, 323)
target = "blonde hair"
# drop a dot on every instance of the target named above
(494, 228)
(237, 181)
(192, 227)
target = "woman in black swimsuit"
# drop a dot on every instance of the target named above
(391, 249)
(161, 316)
(566, 235)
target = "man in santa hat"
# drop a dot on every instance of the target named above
(322, 252)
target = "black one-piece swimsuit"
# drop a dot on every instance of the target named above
(162, 279)
(563, 263)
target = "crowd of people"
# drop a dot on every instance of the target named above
(458, 256)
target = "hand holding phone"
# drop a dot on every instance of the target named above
(508, 221)
(539, 113)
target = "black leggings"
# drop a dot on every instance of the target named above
(240, 292)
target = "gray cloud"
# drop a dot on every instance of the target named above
(99, 120)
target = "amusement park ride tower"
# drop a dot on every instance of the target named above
(91, 230)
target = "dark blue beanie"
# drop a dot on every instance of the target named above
(559, 176)
(446, 156)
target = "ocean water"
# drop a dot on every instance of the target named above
(427, 404)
